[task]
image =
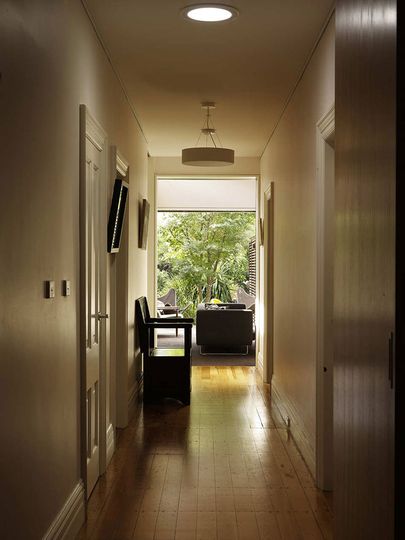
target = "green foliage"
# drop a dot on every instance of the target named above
(203, 254)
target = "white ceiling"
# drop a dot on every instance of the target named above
(169, 65)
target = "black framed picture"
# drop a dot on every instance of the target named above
(117, 214)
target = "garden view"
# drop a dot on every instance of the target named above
(203, 255)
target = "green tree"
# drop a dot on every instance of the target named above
(203, 254)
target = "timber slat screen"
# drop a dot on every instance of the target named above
(252, 266)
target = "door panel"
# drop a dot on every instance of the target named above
(93, 293)
(364, 299)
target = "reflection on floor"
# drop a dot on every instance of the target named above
(223, 468)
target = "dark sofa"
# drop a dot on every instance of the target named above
(224, 329)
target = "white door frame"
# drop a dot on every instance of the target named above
(91, 130)
(267, 226)
(119, 366)
(152, 301)
(324, 358)
(158, 176)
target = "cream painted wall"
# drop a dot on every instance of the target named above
(290, 161)
(51, 62)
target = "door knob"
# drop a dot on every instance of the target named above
(102, 316)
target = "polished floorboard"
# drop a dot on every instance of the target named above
(222, 468)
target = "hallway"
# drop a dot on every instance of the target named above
(95, 91)
(223, 468)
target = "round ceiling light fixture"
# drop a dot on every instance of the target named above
(210, 13)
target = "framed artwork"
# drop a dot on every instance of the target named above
(143, 223)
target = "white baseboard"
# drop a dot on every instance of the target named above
(296, 425)
(68, 522)
(133, 397)
(110, 442)
(260, 363)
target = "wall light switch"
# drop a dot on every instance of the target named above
(49, 289)
(66, 287)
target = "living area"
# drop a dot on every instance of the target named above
(206, 266)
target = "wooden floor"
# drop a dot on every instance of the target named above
(223, 468)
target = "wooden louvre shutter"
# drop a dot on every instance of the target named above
(252, 266)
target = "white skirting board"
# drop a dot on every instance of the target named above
(110, 443)
(260, 363)
(68, 522)
(133, 397)
(296, 427)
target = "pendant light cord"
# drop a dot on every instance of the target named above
(208, 133)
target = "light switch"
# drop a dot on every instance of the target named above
(66, 287)
(49, 289)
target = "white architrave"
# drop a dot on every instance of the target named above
(121, 164)
(92, 131)
(118, 369)
(268, 284)
(324, 382)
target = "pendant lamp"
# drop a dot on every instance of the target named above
(212, 154)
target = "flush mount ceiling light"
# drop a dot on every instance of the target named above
(208, 156)
(210, 13)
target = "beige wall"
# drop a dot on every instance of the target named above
(290, 162)
(51, 62)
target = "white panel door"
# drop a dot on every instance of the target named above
(95, 299)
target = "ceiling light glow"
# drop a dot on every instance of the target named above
(210, 13)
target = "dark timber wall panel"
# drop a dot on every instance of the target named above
(364, 268)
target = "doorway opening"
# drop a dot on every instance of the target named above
(206, 264)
